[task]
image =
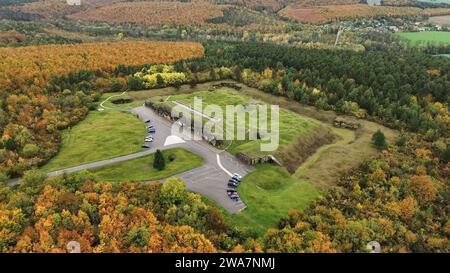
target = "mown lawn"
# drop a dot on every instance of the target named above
(141, 169)
(291, 125)
(102, 135)
(270, 193)
(435, 37)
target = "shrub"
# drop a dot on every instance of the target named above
(379, 140)
(3, 177)
(30, 150)
(172, 157)
(134, 83)
(116, 86)
(159, 162)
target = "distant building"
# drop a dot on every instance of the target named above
(373, 2)
(73, 2)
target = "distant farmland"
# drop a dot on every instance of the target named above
(441, 20)
(327, 13)
(438, 37)
(436, 1)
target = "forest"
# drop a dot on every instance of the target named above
(406, 91)
(14, 33)
(152, 13)
(48, 88)
(42, 215)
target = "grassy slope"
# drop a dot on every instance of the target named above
(426, 36)
(270, 193)
(141, 169)
(292, 125)
(101, 135)
(321, 170)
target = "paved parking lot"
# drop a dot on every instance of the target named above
(211, 179)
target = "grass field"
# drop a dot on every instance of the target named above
(270, 193)
(437, 37)
(141, 169)
(292, 126)
(101, 135)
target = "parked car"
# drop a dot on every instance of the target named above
(238, 176)
(233, 181)
(235, 198)
(231, 192)
(233, 185)
(146, 146)
(150, 126)
(151, 130)
(149, 139)
(148, 121)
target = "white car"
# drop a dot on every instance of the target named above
(238, 176)
(149, 139)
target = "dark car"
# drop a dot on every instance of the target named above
(233, 181)
(152, 130)
(233, 185)
(235, 197)
(230, 192)
(148, 121)
(146, 146)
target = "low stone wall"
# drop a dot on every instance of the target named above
(347, 124)
(256, 160)
(161, 111)
(231, 85)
